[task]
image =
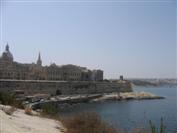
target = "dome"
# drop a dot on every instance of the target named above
(7, 54)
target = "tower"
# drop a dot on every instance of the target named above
(39, 61)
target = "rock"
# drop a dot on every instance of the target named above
(19, 122)
(127, 96)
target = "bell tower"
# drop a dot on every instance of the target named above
(39, 61)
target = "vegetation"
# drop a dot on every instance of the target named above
(154, 129)
(49, 110)
(92, 123)
(87, 123)
(6, 98)
(10, 99)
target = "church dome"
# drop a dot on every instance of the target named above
(7, 54)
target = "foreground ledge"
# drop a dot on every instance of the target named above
(19, 122)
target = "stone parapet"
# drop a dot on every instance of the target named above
(31, 87)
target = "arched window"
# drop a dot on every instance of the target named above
(58, 92)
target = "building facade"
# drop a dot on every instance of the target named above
(9, 69)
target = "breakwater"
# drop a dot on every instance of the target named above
(31, 87)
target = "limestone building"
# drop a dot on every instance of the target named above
(9, 69)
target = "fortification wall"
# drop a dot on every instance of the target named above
(65, 87)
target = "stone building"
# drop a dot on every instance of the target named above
(9, 69)
(97, 75)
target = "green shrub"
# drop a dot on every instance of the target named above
(49, 109)
(9, 99)
(6, 98)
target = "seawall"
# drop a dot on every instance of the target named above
(31, 87)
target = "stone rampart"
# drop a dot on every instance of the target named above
(31, 87)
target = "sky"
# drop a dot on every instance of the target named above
(136, 39)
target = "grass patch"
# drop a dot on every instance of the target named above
(92, 123)
(49, 111)
(154, 128)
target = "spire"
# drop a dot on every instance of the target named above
(7, 47)
(39, 61)
(39, 57)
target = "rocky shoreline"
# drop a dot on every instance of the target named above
(76, 99)
(127, 96)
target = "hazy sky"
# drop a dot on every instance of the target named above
(130, 38)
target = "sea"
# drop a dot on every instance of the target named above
(132, 114)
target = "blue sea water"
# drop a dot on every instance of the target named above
(137, 113)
